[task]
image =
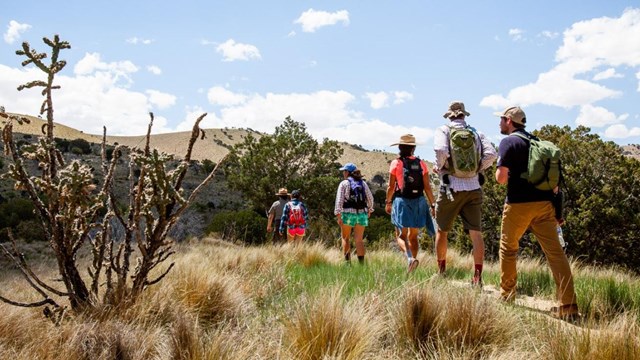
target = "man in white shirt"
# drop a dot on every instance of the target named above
(462, 154)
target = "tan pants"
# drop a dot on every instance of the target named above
(540, 218)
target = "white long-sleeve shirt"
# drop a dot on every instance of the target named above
(441, 147)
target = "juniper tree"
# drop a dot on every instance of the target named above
(289, 158)
(74, 211)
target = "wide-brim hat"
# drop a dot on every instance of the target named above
(282, 192)
(515, 113)
(406, 139)
(456, 108)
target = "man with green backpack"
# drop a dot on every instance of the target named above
(530, 168)
(462, 154)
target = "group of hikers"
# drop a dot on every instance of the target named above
(462, 154)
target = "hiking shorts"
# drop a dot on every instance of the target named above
(296, 231)
(467, 204)
(351, 219)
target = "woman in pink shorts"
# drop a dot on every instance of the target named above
(294, 218)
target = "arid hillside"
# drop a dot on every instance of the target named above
(216, 144)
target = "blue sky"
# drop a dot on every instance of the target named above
(365, 72)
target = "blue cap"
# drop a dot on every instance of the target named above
(350, 167)
(295, 194)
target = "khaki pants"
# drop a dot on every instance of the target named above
(540, 218)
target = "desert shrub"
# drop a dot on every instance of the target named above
(62, 144)
(12, 213)
(208, 165)
(82, 144)
(244, 225)
(30, 230)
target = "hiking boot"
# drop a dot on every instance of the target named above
(508, 299)
(413, 264)
(569, 313)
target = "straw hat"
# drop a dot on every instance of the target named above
(282, 192)
(406, 139)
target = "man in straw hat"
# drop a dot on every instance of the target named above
(527, 207)
(405, 201)
(462, 153)
(275, 214)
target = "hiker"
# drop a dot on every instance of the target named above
(294, 218)
(528, 207)
(462, 154)
(405, 201)
(275, 215)
(353, 207)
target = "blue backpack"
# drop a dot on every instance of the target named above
(357, 197)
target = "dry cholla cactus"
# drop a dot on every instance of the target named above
(75, 211)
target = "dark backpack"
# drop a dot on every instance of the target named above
(357, 199)
(464, 155)
(296, 215)
(413, 184)
(544, 170)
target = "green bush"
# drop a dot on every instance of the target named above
(13, 214)
(30, 230)
(245, 225)
(82, 144)
(208, 166)
(380, 231)
(62, 144)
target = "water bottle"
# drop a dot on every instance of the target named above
(560, 237)
(449, 194)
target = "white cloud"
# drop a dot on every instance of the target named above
(402, 97)
(218, 95)
(596, 116)
(587, 45)
(14, 30)
(155, 70)
(612, 41)
(232, 51)
(91, 62)
(378, 100)
(160, 99)
(548, 34)
(381, 99)
(620, 131)
(516, 34)
(311, 20)
(90, 99)
(376, 134)
(291, 34)
(325, 113)
(136, 40)
(192, 114)
(607, 74)
(552, 88)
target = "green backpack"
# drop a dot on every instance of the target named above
(544, 170)
(464, 154)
